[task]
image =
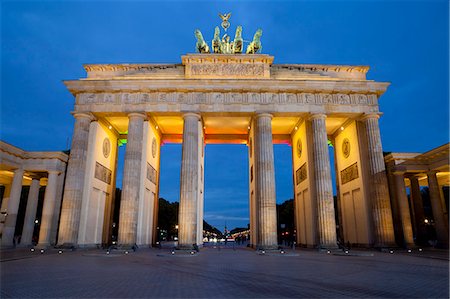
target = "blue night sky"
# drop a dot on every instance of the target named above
(44, 42)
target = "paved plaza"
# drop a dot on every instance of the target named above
(228, 272)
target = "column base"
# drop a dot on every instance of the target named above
(267, 247)
(25, 246)
(187, 247)
(385, 246)
(67, 246)
(43, 246)
(133, 247)
(328, 247)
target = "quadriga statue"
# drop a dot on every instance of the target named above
(238, 42)
(255, 45)
(201, 45)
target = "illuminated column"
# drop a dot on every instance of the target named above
(189, 191)
(30, 213)
(73, 191)
(13, 207)
(322, 180)
(4, 207)
(381, 206)
(438, 212)
(265, 183)
(403, 206)
(48, 209)
(56, 214)
(417, 203)
(131, 180)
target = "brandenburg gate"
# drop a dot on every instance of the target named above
(225, 96)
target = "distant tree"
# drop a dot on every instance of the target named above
(209, 228)
(285, 213)
(168, 217)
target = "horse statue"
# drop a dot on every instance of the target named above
(201, 45)
(216, 43)
(238, 42)
(255, 45)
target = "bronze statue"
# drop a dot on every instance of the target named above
(224, 45)
(255, 45)
(238, 42)
(225, 17)
(201, 46)
(216, 43)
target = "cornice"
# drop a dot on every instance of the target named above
(228, 85)
(24, 155)
(323, 68)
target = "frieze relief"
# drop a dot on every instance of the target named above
(238, 70)
(226, 98)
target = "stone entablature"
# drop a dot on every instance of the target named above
(13, 157)
(228, 101)
(436, 159)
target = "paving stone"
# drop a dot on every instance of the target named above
(212, 273)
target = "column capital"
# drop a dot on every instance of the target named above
(317, 116)
(432, 172)
(87, 115)
(192, 114)
(411, 176)
(367, 116)
(398, 173)
(18, 170)
(137, 115)
(258, 115)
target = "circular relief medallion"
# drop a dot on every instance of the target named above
(106, 147)
(154, 147)
(299, 148)
(346, 148)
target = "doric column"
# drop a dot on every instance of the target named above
(403, 206)
(265, 182)
(48, 209)
(4, 207)
(131, 180)
(322, 180)
(57, 209)
(381, 206)
(13, 207)
(73, 191)
(440, 224)
(187, 219)
(417, 204)
(30, 213)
